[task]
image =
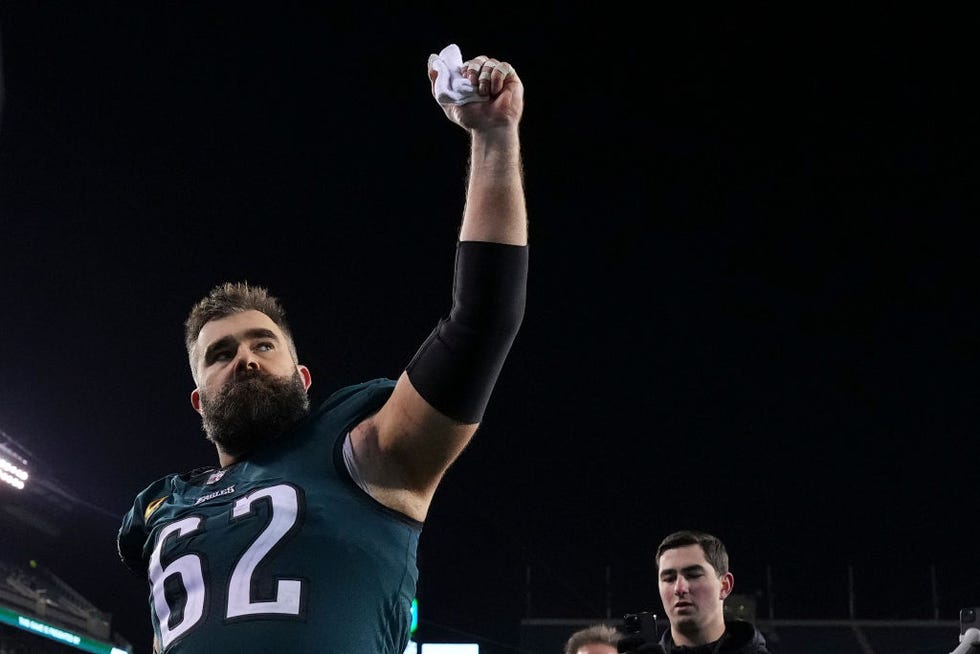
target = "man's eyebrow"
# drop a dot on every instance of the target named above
(261, 332)
(225, 341)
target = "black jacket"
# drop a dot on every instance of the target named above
(740, 637)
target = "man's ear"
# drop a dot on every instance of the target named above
(727, 583)
(304, 372)
(196, 400)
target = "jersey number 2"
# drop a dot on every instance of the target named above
(284, 512)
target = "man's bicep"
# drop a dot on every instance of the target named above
(408, 444)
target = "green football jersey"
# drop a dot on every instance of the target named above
(279, 552)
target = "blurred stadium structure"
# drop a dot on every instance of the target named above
(40, 613)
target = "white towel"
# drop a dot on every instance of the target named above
(451, 87)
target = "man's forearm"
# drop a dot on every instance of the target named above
(456, 369)
(495, 206)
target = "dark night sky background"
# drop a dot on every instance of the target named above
(752, 303)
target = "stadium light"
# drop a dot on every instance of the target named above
(12, 473)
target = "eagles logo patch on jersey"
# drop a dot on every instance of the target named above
(153, 506)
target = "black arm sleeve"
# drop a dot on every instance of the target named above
(457, 366)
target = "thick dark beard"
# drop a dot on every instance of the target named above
(251, 411)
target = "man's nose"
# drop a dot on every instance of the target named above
(681, 586)
(246, 362)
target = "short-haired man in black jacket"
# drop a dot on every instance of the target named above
(692, 570)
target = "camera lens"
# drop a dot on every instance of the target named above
(968, 615)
